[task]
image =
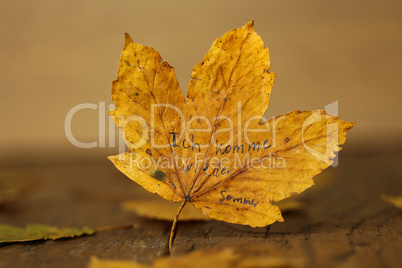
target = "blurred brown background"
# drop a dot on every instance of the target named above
(57, 54)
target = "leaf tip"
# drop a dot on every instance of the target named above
(127, 39)
(250, 25)
(111, 158)
(350, 125)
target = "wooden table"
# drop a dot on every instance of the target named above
(344, 222)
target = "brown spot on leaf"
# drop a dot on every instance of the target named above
(158, 175)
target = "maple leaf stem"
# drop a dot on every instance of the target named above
(174, 225)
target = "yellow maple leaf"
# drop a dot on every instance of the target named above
(214, 149)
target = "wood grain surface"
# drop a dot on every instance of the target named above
(344, 222)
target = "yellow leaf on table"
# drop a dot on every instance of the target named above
(214, 149)
(36, 231)
(290, 204)
(99, 263)
(394, 200)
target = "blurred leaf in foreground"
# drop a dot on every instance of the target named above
(205, 258)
